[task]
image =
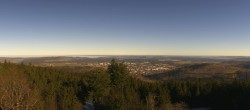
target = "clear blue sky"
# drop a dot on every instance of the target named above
(125, 27)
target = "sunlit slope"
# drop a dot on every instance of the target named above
(205, 70)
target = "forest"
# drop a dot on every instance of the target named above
(29, 87)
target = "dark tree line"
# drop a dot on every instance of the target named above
(116, 89)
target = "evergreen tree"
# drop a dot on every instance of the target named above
(118, 73)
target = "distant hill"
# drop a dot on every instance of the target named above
(203, 70)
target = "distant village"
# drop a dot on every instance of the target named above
(136, 68)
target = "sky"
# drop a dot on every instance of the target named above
(125, 27)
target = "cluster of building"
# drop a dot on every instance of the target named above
(137, 68)
(147, 68)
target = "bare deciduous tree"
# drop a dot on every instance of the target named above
(16, 94)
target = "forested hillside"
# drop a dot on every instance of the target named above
(204, 71)
(29, 87)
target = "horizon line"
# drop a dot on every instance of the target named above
(23, 56)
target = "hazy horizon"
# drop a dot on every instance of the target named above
(37, 56)
(141, 27)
